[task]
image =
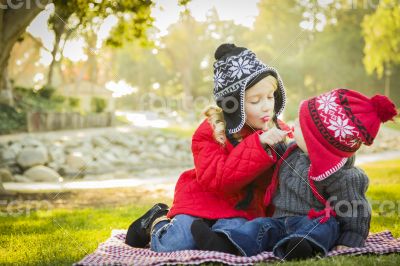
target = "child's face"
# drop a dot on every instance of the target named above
(298, 136)
(259, 103)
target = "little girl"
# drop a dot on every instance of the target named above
(317, 192)
(233, 162)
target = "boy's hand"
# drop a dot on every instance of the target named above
(340, 247)
(273, 136)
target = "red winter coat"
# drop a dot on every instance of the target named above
(218, 181)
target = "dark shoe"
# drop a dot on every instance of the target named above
(206, 239)
(299, 248)
(138, 234)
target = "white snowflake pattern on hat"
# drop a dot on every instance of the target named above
(335, 119)
(219, 79)
(231, 75)
(327, 102)
(341, 127)
(240, 67)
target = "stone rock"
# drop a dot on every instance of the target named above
(8, 155)
(119, 139)
(137, 146)
(29, 157)
(16, 147)
(6, 175)
(55, 166)
(100, 141)
(85, 152)
(165, 149)
(152, 172)
(76, 161)
(56, 154)
(97, 153)
(111, 157)
(121, 154)
(100, 177)
(151, 157)
(72, 144)
(31, 142)
(42, 173)
(22, 179)
(14, 168)
(133, 159)
(65, 171)
(159, 140)
(100, 166)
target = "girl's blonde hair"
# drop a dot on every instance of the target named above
(216, 118)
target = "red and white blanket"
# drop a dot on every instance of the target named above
(115, 252)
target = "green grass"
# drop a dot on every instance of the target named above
(393, 125)
(64, 236)
(61, 236)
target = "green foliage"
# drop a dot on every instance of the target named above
(74, 103)
(98, 104)
(84, 18)
(11, 119)
(334, 58)
(134, 18)
(46, 92)
(132, 27)
(381, 31)
(309, 61)
(183, 2)
(313, 61)
(45, 99)
(28, 100)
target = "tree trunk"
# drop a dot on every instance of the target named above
(52, 65)
(59, 28)
(6, 95)
(388, 74)
(91, 40)
(13, 23)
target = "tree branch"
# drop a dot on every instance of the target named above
(16, 20)
(2, 4)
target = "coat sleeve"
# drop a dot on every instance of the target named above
(351, 206)
(218, 169)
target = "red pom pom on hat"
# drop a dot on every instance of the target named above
(384, 107)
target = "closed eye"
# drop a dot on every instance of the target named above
(254, 100)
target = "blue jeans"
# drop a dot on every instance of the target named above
(174, 235)
(272, 234)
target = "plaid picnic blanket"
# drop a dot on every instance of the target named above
(115, 252)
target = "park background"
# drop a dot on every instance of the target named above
(99, 99)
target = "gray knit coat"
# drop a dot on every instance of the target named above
(345, 189)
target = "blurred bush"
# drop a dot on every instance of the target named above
(46, 99)
(98, 104)
(12, 120)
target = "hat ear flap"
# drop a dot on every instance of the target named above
(219, 102)
(278, 98)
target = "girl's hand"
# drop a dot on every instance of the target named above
(340, 247)
(273, 136)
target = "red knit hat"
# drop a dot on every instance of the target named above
(335, 124)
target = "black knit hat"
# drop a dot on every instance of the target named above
(235, 70)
